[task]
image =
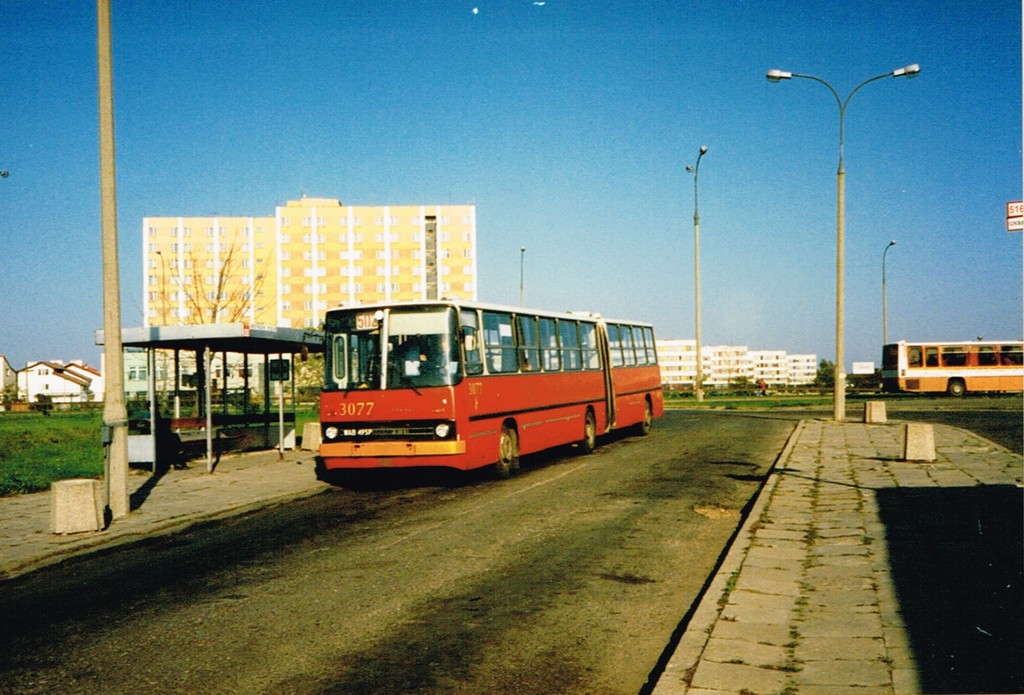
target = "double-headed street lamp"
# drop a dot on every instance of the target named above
(839, 400)
(698, 383)
(885, 335)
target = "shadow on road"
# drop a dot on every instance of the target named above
(957, 556)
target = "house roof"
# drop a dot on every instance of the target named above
(62, 371)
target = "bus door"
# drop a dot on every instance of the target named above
(604, 352)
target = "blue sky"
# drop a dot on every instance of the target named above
(569, 124)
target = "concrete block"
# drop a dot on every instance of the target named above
(874, 412)
(918, 442)
(76, 506)
(311, 436)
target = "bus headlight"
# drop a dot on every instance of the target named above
(331, 432)
(442, 430)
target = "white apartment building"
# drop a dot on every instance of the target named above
(722, 365)
(803, 369)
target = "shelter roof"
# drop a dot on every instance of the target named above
(222, 337)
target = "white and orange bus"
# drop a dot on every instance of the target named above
(466, 385)
(954, 368)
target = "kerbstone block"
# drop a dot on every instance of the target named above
(311, 436)
(76, 505)
(874, 412)
(918, 442)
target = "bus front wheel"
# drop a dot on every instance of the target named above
(508, 453)
(956, 387)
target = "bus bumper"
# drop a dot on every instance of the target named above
(387, 450)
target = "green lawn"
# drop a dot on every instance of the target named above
(36, 449)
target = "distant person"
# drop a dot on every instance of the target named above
(762, 386)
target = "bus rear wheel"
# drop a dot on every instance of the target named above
(589, 441)
(644, 426)
(956, 388)
(508, 453)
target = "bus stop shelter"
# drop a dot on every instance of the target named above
(147, 441)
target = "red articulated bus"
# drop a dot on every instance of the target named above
(465, 385)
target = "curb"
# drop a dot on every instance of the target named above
(675, 679)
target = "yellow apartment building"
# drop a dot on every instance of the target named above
(312, 255)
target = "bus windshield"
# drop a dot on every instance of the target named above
(414, 346)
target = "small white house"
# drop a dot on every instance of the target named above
(75, 382)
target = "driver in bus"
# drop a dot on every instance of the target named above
(419, 357)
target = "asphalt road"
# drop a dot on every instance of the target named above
(572, 577)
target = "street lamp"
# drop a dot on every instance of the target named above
(839, 401)
(885, 337)
(698, 384)
(522, 255)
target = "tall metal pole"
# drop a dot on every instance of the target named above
(885, 334)
(839, 388)
(522, 256)
(698, 383)
(115, 415)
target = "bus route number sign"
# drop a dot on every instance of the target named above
(280, 370)
(1015, 216)
(366, 321)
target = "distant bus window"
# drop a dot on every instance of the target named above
(588, 346)
(890, 356)
(931, 357)
(550, 356)
(499, 343)
(954, 356)
(568, 332)
(987, 356)
(1011, 354)
(915, 356)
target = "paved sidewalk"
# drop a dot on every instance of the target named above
(160, 505)
(826, 588)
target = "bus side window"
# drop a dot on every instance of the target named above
(471, 343)
(628, 352)
(931, 357)
(588, 346)
(914, 356)
(652, 353)
(550, 355)
(614, 346)
(499, 343)
(568, 332)
(986, 356)
(529, 347)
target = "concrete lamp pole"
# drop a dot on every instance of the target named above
(839, 388)
(885, 334)
(115, 415)
(698, 382)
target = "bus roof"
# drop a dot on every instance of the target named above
(956, 343)
(466, 304)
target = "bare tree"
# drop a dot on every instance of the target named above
(218, 294)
